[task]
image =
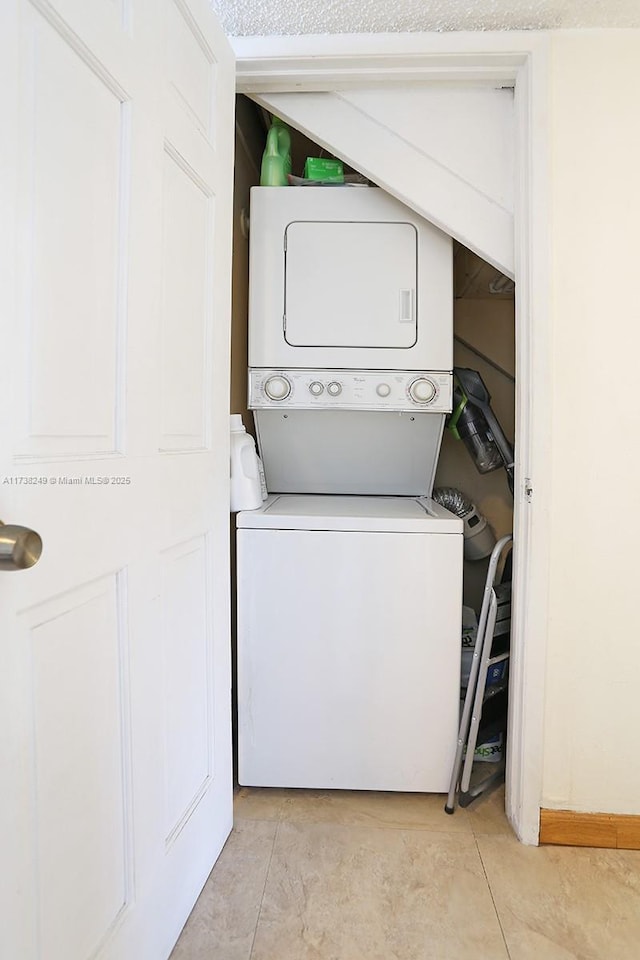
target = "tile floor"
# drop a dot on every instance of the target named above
(312, 875)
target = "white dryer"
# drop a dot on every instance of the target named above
(349, 620)
(344, 278)
(350, 341)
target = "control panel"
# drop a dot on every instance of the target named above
(310, 389)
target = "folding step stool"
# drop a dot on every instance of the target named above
(484, 714)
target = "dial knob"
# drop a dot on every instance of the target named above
(422, 390)
(277, 388)
(383, 389)
(316, 388)
(334, 389)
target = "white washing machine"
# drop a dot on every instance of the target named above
(349, 607)
(349, 624)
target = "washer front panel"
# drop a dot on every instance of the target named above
(310, 389)
(348, 659)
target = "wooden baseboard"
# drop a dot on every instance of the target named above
(570, 829)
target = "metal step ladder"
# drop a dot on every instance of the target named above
(484, 714)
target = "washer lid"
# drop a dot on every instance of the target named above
(378, 514)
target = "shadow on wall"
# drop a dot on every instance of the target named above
(488, 327)
(249, 147)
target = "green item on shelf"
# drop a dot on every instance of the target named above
(276, 159)
(324, 170)
(284, 142)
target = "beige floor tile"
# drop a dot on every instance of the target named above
(564, 903)
(486, 815)
(257, 803)
(404, 811)
(338, 892)
(223, 922)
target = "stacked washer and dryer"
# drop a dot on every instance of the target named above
(349, 576)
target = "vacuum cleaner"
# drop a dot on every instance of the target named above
(474, 422)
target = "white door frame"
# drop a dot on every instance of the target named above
(333, 63)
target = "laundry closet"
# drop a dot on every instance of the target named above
(350, 576)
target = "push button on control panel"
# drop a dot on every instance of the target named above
(383, 389)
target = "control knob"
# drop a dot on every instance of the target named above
(334, 389)
(277, 388)
(383, 389)
(422, 390)
(316, 388)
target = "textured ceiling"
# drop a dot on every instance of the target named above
(293, 17)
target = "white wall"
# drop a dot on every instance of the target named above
(592, 714)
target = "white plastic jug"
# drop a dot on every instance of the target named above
(246, 493)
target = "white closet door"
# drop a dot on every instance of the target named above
(115, 264)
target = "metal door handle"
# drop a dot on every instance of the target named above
(20, 547)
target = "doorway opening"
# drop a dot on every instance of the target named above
(484, 337)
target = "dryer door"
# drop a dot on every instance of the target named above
(351, 284)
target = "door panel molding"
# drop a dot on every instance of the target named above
(75, 634)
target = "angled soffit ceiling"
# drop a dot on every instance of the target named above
(242, 18)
